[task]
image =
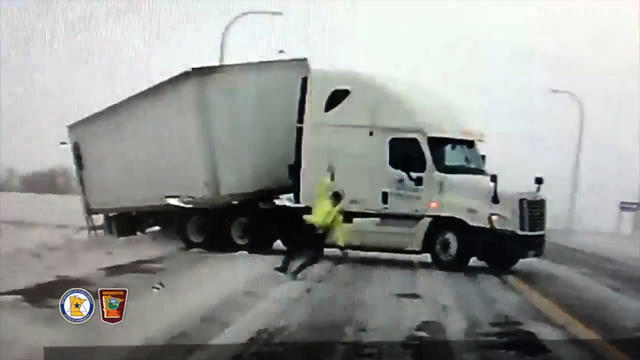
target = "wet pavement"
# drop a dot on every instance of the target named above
(144, 266)
(234, 306)
(47, 294)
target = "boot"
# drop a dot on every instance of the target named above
(281, 269)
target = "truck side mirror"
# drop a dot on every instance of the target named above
(484, 160)
(406, 167)
(539, 180)
(494, 180)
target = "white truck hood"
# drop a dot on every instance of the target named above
(471, 195)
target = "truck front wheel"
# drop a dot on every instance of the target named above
(449, 249)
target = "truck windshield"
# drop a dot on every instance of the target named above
(456, 156)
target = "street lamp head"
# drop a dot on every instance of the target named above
(554, 90)
(235, 18)
(263, 12)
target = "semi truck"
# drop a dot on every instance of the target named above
(229, 157)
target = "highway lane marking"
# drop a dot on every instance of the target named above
(553, 311)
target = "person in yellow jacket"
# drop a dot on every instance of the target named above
(325, 220)
(323, 203)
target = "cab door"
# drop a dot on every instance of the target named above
(408, 188)
(404, 193)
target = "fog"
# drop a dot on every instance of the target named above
(492, 62)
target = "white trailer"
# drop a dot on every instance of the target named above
(209, 150)
(206, 138)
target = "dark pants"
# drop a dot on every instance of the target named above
(311, 248)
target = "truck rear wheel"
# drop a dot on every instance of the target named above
(448, 249)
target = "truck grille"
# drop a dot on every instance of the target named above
(532, 215)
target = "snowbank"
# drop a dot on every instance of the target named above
(61, 252)
(42, 236)
(42, 209)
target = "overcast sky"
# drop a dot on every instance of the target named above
(491, 61)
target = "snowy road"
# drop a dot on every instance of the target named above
(370, 307)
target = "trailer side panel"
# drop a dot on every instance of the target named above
(137, 152)
(251, 113)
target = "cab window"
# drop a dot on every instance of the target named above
(406, 155)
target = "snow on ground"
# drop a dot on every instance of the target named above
(42, 237)
(41, 208)
(64, 253)
(620, 247)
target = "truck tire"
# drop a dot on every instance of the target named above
(247, 231)
(240, 232)
(195, 231)
(501, 263)
(448, 249)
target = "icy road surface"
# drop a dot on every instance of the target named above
(392, 307)
(370, 306)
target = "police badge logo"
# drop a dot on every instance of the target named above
(77, 306)
(112, 304)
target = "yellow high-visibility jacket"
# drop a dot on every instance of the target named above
(324, 215)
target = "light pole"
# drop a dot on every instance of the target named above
(232, 21)
(576, 164)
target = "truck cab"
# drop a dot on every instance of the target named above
(413, 179)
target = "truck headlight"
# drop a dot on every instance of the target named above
(498, 221)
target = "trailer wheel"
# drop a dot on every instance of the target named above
(240, 232)
(501, 263)
(448, 249)
(195, 231)
(246, 233)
